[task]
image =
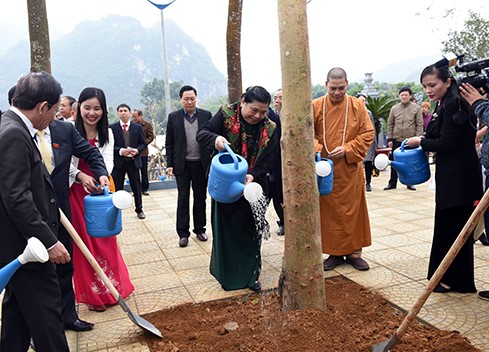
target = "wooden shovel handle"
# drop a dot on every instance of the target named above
(86, 252)
(449, 257)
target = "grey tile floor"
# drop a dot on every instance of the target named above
(165, 275)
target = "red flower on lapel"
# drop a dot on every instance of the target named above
(56, 145)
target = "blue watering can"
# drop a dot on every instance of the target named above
(103, 215)
(324, 172)
(227, 176)
(411, 164)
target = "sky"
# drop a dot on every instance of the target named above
(359, 36)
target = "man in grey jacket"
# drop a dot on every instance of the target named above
(405, 121)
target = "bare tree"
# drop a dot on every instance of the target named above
(233, 48)
(39, 35)
(301, 282)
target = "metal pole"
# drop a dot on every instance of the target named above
(165, 64)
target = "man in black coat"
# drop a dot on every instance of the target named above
(66, 142)
(188, 162)
(31, 305)
(129, 143)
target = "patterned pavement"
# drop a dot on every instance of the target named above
(165, 275)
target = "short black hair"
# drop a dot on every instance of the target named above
(11, 93)
(34, 88)
(186, 88)
(123, 105)
(406, 89)
(70, 99)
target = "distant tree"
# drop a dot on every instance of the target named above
(39, 35)
(213, 105)
(233, 50)
(153, 99)
(472, 41)
(318, 90)
(380, 107)
(301, 284)
(354, 88)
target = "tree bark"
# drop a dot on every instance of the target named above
(301, 284)
(233, 48)
(39, 36)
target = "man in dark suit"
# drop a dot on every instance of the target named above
(32, 302)
(275, 177)
(188, 162)
(137, 116)
(66, 142)
(129, 142)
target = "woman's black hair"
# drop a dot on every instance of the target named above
(458, 106)
(257, 93)
(103, 124)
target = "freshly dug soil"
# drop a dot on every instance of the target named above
(355, 320)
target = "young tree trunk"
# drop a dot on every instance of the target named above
(39, 35)
(233, 48)
(301, 284)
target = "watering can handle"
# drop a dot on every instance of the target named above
(318, 156)
(106, 190)
(402, 145)
(230, 151)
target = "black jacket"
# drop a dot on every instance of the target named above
(451, 134)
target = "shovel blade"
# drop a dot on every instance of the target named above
(385, 346)
(139, 321)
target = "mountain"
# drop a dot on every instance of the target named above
(405, 71)
(119, 56)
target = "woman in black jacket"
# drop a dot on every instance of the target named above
(451, 134)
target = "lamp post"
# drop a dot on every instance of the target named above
(161, 7)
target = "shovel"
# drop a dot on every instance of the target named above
(474, 219)
(136, 319)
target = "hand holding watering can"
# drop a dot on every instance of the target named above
(228, 177)
(411, 164)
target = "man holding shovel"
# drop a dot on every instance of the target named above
(32, 302)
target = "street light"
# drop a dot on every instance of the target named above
(161, 7)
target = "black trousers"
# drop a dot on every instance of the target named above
(393, 179)
(31, 307)
(65, 279)
(369, 166)
(144, 174)
(133, 174)
(277, 195)
(193, 175)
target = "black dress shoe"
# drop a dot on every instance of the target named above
(141, 215)
(442, 289)
(256, 287)
(484, 240)
(202, 236)
(146, 193)
(411, 188)
(79, 325)
(389, 187)
(183, 242)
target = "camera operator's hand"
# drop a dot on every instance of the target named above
(470, 93)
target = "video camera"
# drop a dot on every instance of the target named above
(477, 72)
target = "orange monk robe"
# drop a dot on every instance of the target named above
(345, 225)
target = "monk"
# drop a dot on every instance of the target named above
(343, 133)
